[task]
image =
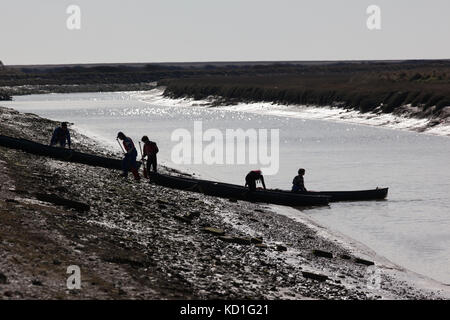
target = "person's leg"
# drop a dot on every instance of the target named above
(154, 163)
(149, 163)
(133, 166)
(252, 185)
(126, 165)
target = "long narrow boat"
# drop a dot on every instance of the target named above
(357, 195)
(229, 190)
(59, 153)
(267, 196)
(204, 186)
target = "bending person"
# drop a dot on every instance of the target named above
(129, 161)
(252, 178)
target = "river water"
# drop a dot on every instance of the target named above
(411, 228)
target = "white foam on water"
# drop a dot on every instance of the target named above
(391, 121)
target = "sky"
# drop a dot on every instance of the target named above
(112, 31)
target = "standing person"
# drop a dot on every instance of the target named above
(150, 151)
(61, 136)
(253, 177)
(298, 183)
(129, 161)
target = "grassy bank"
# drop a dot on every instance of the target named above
(373, 87)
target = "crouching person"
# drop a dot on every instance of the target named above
(61, 136)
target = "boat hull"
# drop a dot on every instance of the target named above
(230, 191)
(213, 188)
(234, 191)
(59, 153)
(357, 195)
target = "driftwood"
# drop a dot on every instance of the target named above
(53, 198)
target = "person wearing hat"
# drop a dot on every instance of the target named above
(61, 136)
(298, 183)
(252, 178)
(129, 161)
(150, 151)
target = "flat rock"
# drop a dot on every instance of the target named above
(321, 253)
(237, 240)
(53, 198)
(183, 219)
(3, 278)
(193, 215)
(215, 231)
(256, 240)
(314, 276)
(261, 246)
(365, 262)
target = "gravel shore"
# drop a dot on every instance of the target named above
(142, 241)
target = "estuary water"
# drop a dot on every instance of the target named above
(411, 228)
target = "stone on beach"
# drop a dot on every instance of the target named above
(321, 253)
(215, 231)
(315, 276)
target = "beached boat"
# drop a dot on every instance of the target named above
(5, 97)
(218, 189)
(59, 153)
(232, 191)
(357, 195)
(229, 190)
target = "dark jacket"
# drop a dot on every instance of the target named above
(298, 184)
(60, 136)
(252, 177)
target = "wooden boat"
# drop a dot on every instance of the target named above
(5, 97)
(213, 188)
(59, 153)
(357, 195)
(231, 191)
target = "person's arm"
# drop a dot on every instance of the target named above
(69, 142)
(143, 150)
(302, 186)
(128, 146)
(53, 139)
(262, 181)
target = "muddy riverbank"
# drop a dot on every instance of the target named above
(142, 241)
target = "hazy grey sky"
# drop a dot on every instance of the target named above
(35, 32)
